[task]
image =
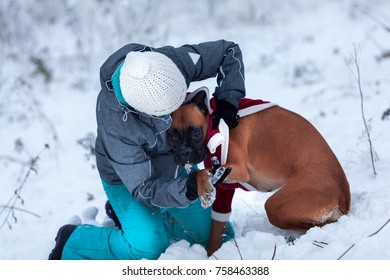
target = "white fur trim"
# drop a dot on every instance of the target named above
(254, 109)
(214, 142)
(224, 130)
(195, 92)
(220, 217)
(248, 186)
(220, 139)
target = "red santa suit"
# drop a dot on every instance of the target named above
(217, 143)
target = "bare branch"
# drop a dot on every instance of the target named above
(9, 208)
(21, 210)
(367, 130)
(238, 248)
(13, 160)
(372, 234)
(273, 255)
(379, 21)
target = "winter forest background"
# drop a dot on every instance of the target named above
(326, 60)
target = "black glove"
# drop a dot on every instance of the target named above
(192, 186)
(226, 111)
(220, 174)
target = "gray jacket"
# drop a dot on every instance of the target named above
(132, 147)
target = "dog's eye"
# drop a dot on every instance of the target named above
(174, 137)
(196, 134)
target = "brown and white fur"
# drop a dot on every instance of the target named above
(274, 149)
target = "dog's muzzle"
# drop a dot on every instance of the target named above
(189, 155)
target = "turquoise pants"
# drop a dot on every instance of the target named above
(146, 232)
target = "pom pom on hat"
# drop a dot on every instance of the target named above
(151, 83)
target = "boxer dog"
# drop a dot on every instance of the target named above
(273, 149)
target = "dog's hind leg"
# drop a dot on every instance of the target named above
(301, 205)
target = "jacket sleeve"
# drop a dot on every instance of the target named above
(153, 181)
(164, 188)
(206, 60)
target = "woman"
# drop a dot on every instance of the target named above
(154, 199)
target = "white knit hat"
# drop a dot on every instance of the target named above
(151, 83)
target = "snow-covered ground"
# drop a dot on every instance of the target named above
(299, 54)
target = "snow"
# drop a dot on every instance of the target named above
(299, 54)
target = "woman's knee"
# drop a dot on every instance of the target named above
(150, 248)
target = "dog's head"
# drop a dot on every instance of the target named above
(188, 131)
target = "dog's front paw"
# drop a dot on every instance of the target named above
(206, 190)
(207, 181)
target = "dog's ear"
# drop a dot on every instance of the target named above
(200, 100)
